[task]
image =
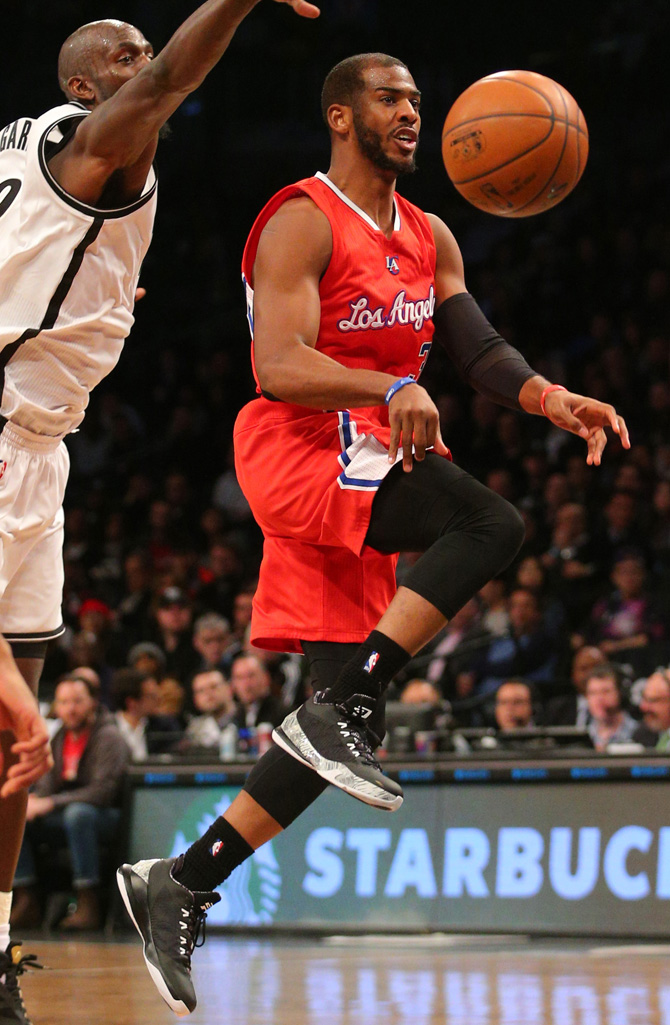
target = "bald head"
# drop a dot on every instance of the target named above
(84, 53)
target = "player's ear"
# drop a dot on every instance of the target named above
(81, 89)
(340, 118)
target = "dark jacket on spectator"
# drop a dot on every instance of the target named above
(100, 772)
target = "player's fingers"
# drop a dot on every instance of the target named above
(407, 437)
(395, 438)
(25, 779)
(438, 445)
(623, 432)
(28, 762)
(420, 439)
(34, 743)
(140, 294)
(303, 8)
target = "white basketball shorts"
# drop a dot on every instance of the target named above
(33, 474)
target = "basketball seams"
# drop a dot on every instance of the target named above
(551, 177)
(505, 163)
(513, 113)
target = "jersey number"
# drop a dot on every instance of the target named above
(9, 190)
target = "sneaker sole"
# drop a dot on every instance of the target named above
(126, 880)
(298, 746)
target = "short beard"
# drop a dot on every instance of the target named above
(371, 147)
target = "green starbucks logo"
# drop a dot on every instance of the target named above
(251, 895)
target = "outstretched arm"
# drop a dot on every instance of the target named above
(499, 371)
(122, 131)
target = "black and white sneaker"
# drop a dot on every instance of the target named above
(169, 918)
(13, 964)
(334, 740)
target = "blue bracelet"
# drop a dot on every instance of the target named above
(396, 386)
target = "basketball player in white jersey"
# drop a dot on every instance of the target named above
(77, 204)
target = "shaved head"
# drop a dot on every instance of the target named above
(346, 81)
(81, 52)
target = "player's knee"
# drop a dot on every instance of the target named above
(78, 815)
(510, 531)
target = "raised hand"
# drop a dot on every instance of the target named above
(586, 417)
(415, 422)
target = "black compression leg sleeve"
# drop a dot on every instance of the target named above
(282, 786)
(468, 534)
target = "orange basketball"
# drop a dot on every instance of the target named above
(515, 143)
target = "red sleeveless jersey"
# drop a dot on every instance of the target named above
(377, 295)
(311, 476)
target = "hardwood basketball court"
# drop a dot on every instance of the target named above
(375, 980)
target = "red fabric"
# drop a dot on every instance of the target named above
(318, 580)
(73, 749)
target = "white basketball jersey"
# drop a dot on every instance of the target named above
(68, 275)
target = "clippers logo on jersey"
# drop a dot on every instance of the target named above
(217, 848)
(3, 467)
(401, 311)
(371, 662)
(392, 264)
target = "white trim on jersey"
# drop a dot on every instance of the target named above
(364, 460)
(361, 213)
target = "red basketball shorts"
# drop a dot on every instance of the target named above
(310, 479)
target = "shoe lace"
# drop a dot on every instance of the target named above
(193, 929)
(17, 965)
(360, 739)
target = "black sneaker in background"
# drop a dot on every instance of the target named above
(12, 965)
(335, 741)
(168, 917)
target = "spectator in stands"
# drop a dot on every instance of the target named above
(213, 641)
(134, 611)
(420, 692)
(215, 704)
(172, 632)
(242, 606)
(455, 648)
(493, 605)
(136, 696)
(225, 569)
(76, 805)
(532, 575)
(527, 649)
(572, 709)
(147, 658)
(609, 721)
(655, 707)
(514, 705)
(619, 531)
(251, 686)
(572, 572)
(626, 618)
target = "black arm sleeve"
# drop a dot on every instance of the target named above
(484, 359)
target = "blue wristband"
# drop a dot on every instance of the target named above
(396, 386)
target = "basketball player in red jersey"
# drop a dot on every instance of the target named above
(77, 200)
(342, 461)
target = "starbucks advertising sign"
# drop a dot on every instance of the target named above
(556, 858)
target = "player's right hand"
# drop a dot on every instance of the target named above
(415, 424)
(33, 749)
(302, 7)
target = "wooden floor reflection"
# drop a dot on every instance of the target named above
(362, 981)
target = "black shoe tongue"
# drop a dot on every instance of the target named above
(361, 706)
(206, 899)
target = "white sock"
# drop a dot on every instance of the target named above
(5, 908)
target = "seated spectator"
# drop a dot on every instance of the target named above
(572, 573)
(626, 618)
(214, 643)
(609, 721)
(493, 603)
(147, 658)
(171, 700)
(514, 705)
(572, 709)
(455, 648)
(532, 575)
(76, 805)
(420, 692)
(215, 704)
(526, 650)
(136, 696)
(655, 707)
(251, 686)
(173, 616)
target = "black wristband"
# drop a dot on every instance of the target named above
(485, 360)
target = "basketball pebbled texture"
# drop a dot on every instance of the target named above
(515, 143)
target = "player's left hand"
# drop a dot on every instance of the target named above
(302, 7)
(586, 417)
